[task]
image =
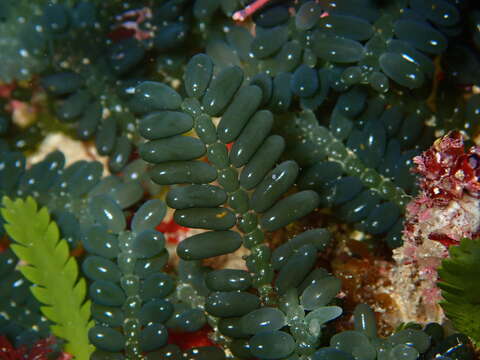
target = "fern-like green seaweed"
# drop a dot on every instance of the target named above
(53, 272)
(460, 274)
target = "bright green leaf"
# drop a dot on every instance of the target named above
(53, 272)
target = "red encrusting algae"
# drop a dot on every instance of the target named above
(446, 210)
(187, 341)
(37, 351)
(173, 232)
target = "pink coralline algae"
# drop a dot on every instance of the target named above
(445, 211)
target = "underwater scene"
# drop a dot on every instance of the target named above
(238, 179)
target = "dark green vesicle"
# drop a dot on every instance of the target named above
(354, 342)
(157, 286)
(106, 338)
(222, 89)
(382, 218)
(228, 280)
(192, 196)
(127, 194)
(172, 149)
(203, 9)
(148, 216)
(163, 124)
(411, 130)
(403, 352)
(262, 161)
(218, 155)
(106, 212)
(319, 174)
(269, 41)
(472, 111)
(379, 82)
(304, 81)
(264, 82)
(416, 338)
(341, 191)
(340, 124)
(409, 52)
(12, 166)
(62, 83)
(350, 27)
(352, 75)
(352, 102)
(289, 209)
(251, 137)
(274, 185)
(170, 36)
(440, 12)
(313, 278)
(337, 49)
(231, 304)
(148, 243)
(238, 200)
(98, 268)
(308, 15)
(365, 322)
(190, 320)
(401, 70)
(81, 177)
(319, 238)
(197, 75)
(125, 54)
(153, 337)
(394, 237)
(106, 293)
(97, 240)
(204, 353)
(321, 293)
(360, 207)
(192, 107)
(241, 348)
(120, 155)
(84, 15)
(4, 125)
(328, 353)
(421, 35)
(152, 96)
(73, 106)
(209, 244)
(264, 319)
(272, 16)
(231, 327)
(286, 60)
(106, 136)
(157, 309)
(372, 144)
(206, 218)
(8, 261)
(205, 129)
(282, 93)
(183, 172)
(239, 37)
(221, 53)
(109, 315)
(272, 345)
(168, 352)
(237, 114)
(147, 267)
(296, 269)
